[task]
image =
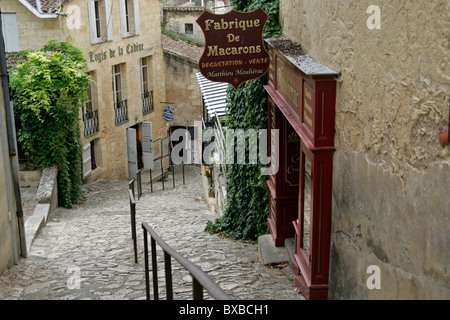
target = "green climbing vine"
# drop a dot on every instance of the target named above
(49, 86)
(245, 216)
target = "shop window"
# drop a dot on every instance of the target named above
(100, 22)
(129, 18)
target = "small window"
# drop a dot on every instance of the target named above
(117, 83)
(100, 22)
(118, 86)
(90, 114)
(129, 17)
(145, 75)
(189, 28)
(147, 93)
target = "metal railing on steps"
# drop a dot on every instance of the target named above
(200, 279)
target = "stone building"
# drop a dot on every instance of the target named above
(179, 17)
(12, 239)
(181, 21)
(390, 171)
(181, 63)
(121, 40)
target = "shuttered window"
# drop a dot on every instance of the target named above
(10, 32)
(129, 18)
(100, 22)
(147, 147)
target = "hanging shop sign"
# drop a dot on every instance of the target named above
(168, 113)
(234, 47)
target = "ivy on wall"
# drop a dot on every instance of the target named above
(271, 7)
(49, 86)
(247, 211)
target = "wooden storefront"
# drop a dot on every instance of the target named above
(302, 97)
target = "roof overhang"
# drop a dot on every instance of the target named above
(36, 12)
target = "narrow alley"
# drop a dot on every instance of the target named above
(87, 252)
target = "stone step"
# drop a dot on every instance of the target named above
(271, 255)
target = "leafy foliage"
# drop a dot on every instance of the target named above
(247, 211)
(271, 7)
(49, 87)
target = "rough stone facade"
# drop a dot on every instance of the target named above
(182, 89)
(33, 31)
(111, 139)
(391, 175)
(175, 20)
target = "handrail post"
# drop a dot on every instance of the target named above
(168, 273)
(173, 174)
(151, 181)
(200, 280)
(139, 183)
(162, 175)
(154, 269)
(131, 187)
(197, 288)
(147, 279)
(133, 224)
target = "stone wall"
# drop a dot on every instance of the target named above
(34, 32)
(391, 175)
(182, 89)
(175, 19)
(8, 242)
(46, 203)
(402, 227)
(111, 141)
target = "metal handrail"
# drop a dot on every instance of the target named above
(90, 123)
(121, 112)
(221, 144)
(200, 279)
(147, 102)
(133, 222)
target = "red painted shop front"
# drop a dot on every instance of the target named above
(302, 96)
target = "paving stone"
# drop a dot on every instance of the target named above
(92, 243)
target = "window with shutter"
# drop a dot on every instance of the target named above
(100, 21)
(147, 154)
(87, 163)
(10, 32)
(129, 18)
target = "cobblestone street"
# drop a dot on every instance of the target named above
(92, 244)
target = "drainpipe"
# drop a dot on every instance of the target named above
(13, 156)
